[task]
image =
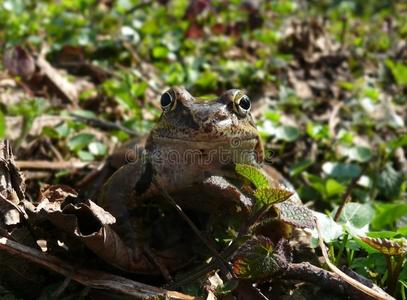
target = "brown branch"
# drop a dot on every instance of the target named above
(90, 278)
(50, 165)
(327, 280)
(103, 124)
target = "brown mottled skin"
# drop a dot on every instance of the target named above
(183, 152)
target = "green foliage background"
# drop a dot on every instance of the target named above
(352, 122)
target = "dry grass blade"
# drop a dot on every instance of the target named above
(375, 292)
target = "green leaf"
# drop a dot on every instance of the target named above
(333, 187)
(97, 148)
(356, 216)
(318, 131)
(80, 141)
(389, 181)
(207, 79)
(85, 155)
(360, 154)
(253, 174)
(300, 166)
(341, 171)
(383, 234)
(399, 71)
(2, 125)
(330, 230)
(160, 52)
(272, 116)
(269, 195)
(388, 214)
(287, 133)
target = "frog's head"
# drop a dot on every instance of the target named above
(225, 123)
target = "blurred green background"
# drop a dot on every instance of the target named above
(328, 81)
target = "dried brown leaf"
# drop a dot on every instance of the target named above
(19, 62)
(91, 225)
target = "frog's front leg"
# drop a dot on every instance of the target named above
(121, 193)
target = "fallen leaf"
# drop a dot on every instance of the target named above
(19, 62)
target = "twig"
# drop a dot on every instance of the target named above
(51, 165)
(330, 281)
(333, 120)
(103, 124)
(91, 278)
(346, 195)
(375, 292)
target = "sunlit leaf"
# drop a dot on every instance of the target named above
(388, 214)
(253, 174)
(387, 246)
(356, 218)
(330, 230)
(269, 195)
(398, 70)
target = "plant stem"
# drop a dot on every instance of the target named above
(394, 275)
(342, 247)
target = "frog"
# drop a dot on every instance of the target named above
(191, 154)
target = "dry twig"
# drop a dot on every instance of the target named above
(90, 278)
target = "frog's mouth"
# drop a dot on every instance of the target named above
(232, 142)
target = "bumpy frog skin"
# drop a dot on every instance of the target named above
(190, 153)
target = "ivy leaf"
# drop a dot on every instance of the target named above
(387, 246)
(253, 174)
(356, 218)
(341, 171)
(360, 154)
(389, 181)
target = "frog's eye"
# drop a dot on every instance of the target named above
(167, 101)
(241, 104)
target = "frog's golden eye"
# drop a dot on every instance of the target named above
(241, 104)
(167, 101)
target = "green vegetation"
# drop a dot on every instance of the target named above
(328, 81)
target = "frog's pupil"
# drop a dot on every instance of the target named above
(165, 100)
(244, 103)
